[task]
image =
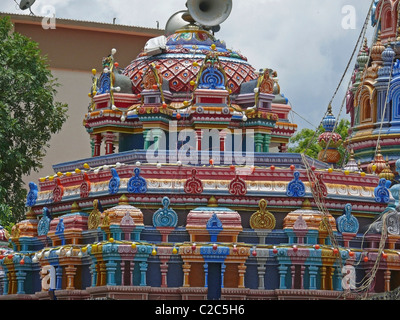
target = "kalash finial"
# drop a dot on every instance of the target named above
(387, 172)
(329, 141)
(378, 164)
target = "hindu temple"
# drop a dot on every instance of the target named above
(191, 194)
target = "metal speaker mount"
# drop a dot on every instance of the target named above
(209, 13)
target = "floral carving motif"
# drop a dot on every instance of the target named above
(319, 186)
(237, 187)
(137, 184)
(94, 217)
(262, 219)
(165, 217)
(85, 186)
(58, 191)
(381, 192)
(113, 185)
(296, 187)
(347, 223)
(193, 185)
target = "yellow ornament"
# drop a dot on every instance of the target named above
(94, 71)
(174, 251)
(192, 83)
(86, 166)
(59, 173)
(195, 64)
(84, 249)
(111, 240)
(346, 172)
(185, 103)
(77, 170)
(213, 46)
(154, 252)
(51, 178)
(68, 174)
(42, 179)
(133, 245)
(362, 174)
(374, 167)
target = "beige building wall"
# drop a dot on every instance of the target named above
(73, 49)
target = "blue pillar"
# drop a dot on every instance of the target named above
(21, 276)
(206, 275)
(313, 271)
(223, 267)
(143, 270)
(111, 267)
(59, 274)
(5, 284)
(94, 274)
(337, 279)
(282, 276)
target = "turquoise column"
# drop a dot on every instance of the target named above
(206, 275)
(111, 268)
(146, 142)
(313, 271)
(258, 141)
(143, 270)
(21, 276)
(338, 279)
(282, 276)
(59, 274)
(5, 285)
(267, 141)
(94, 274)
(223, 267)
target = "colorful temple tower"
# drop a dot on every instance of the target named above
(190, 193)
(372, 100)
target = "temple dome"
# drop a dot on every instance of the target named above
(182, 49)
(116, 214)
(205, 221)
(312, 218)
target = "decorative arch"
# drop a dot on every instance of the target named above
(367, 98)
(389, 18)
(394, 99)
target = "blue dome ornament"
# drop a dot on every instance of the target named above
(137, 184)
(296, 187)
(113, 185)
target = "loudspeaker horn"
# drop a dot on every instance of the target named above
(176, 22)
(26, 4)
(209, 13)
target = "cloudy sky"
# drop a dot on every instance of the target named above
(304, 41)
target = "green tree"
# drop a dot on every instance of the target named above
(300, 141)
(28, 117)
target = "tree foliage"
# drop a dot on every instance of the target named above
(28, 117)
(300, 141)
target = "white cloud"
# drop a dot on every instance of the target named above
(304, 41)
